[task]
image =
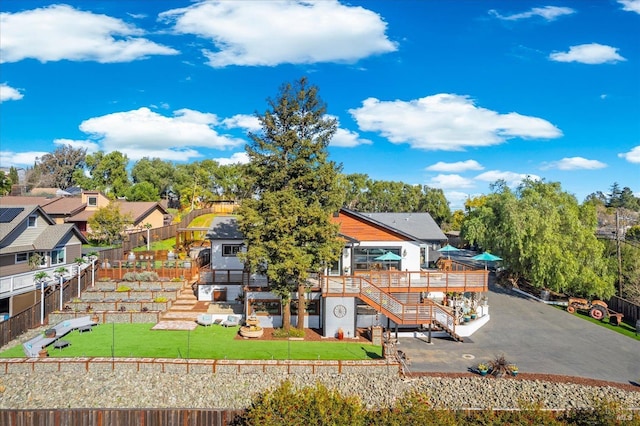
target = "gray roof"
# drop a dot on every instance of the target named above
(224, 228)
(420, 225)
(48, 239)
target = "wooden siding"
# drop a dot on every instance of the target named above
(363, 231)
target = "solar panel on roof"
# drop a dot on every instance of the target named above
(7, 214)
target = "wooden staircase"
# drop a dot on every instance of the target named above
(402, 313)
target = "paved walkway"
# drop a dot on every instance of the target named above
(538, 337)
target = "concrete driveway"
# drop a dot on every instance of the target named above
(537, 337)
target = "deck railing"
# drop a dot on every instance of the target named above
(165, 269)
(400, 312)
(428, 281)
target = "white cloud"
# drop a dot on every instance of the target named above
(236, 158)
(450, 182)
(630, 5)
(457, 167)
(592, 54)
(8, 93)
(10, 158)
(457, 199)
(511, 178)
(550, 13)
(632, 156)
(574, 163)
(90, 146)
(243, 121)
(144, 133)
(61, 32)
(269, 33)
(344, 138)
(447, 122)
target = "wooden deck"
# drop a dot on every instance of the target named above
(411, 282)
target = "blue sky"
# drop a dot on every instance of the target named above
(450, 94)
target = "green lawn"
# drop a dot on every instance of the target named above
(623, 328)
(202, 221)
(168, 244)
(214, 342)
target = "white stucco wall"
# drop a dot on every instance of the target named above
(218, 261)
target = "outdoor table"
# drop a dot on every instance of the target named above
(59, 344)
(85, 328)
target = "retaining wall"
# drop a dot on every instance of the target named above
(195, 366)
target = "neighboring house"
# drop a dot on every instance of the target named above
(27, 233)
(143, 212)
(377, 279)
(79, 209)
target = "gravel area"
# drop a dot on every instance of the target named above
(229, 391)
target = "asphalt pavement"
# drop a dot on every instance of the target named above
(538, 337)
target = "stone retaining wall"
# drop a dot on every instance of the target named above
(99, 295)
(116, 305)
(131, 317)
(138, 285)
(195, 366)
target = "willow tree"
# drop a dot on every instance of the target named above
(287, 222)
(544, 236)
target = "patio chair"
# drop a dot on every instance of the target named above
(205, 319)
(231, 321)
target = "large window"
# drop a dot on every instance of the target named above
(231, 250)
(312, 307)
(364, 258)
(22, 257)
(264, 307)
(57, 256)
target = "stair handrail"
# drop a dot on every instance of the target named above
(385, 302)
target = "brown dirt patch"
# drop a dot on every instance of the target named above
(311, 335)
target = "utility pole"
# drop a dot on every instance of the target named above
(619, 254)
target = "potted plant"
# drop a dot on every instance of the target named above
(483, 369)
(473, 313)
(513, 369)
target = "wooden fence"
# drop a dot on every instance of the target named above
(30, 317)
(112, 416)
(138, 238)
(630, 310)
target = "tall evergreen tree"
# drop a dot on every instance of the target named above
(287, 223)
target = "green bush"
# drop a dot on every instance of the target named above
(293, 332)
(160, 299)
(123, 288)
(317, 405)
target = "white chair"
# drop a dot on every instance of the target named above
(231, 321)
(205, 319)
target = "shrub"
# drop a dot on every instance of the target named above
(123, 288)
(140, 276)
(160, 299)
(315, 405)
(176, 280)
(293, 332)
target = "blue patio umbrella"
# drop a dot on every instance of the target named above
(486, 257)
(448, 249)
(388, 256)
